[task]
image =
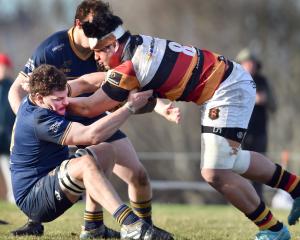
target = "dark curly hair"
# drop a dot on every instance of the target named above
(103, 23)
(45, 79)
(89, 6)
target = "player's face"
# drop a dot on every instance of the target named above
(57, 101)
(104, 56)
(82, 38)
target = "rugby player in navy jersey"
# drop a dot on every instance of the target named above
(69, 51)
(46, 180)
(225, 93)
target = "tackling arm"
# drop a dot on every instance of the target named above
(103, 128)
(17, 93)
(86, 83)
(91, 106)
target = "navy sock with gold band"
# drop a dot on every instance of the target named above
(92, 220)
(143, 210)
(125, 215)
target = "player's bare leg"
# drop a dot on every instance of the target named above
(221, 169)
(88, 170)
(93, 216)
(263, 170)
(236, 189)
(129, 168)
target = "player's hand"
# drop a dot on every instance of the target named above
(171, 113)
(168, 111)
(25, 84)
(137, 100)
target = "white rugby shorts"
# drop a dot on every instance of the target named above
(232, 103)
(230, 107)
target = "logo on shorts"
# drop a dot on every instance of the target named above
(57, 195)
(214, 113)
(240, 135)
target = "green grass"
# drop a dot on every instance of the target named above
(185, 221)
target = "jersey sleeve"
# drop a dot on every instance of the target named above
(120, 81)
(51, 127)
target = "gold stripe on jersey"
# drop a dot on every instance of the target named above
(212, 81)
(176, 92)
(23, 74)
(64, 136)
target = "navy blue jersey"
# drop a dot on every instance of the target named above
(59, 50)
(37, 146)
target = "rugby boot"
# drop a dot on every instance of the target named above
(143, 231)
(295, 212)
(101, 232)
(30, 228)
(166, 233)
(282, 234)
(2, 222)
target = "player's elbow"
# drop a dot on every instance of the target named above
(96, 139)
(12, 99)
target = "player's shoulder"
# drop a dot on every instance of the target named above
(55, 42)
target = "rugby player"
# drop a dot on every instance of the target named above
(69, 51)
(46, 181)
(225, 93)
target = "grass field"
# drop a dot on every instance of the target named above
(185, 221)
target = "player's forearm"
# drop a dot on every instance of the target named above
(106, 127)
(86, 84)
(91, 106)
(79, 106)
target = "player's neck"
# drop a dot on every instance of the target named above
(77, 42)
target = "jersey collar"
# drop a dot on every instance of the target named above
(79, 54)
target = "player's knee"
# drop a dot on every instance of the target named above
(88, 163)
(212, 177)
(140, 177)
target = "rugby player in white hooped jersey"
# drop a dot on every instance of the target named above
(225, 93)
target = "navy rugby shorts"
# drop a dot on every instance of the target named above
(46, 201)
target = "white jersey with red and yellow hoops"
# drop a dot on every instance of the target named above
(173, 71)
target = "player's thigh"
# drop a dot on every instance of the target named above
(104, 154)
(127, 161)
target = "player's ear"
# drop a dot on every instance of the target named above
(116, 46)
(77, 23)
(39, 98)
